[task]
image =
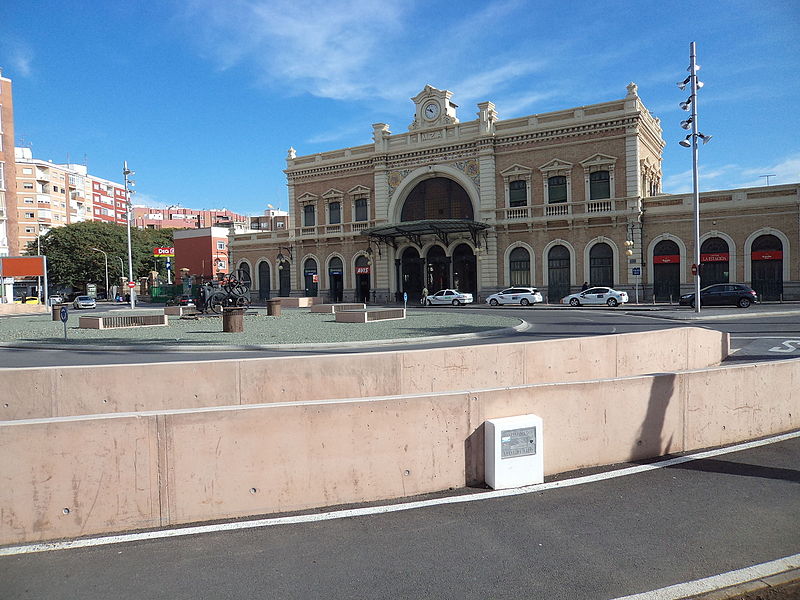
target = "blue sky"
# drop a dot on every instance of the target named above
(204, 97)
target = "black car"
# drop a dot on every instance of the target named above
(723, 294)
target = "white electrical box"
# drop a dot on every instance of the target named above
(513, 451)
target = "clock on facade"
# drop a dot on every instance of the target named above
(431, 111)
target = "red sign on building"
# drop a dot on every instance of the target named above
(714, 257)
(768, 255)
(362, 270)
(666, 259)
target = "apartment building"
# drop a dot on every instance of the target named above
(178, 217)
(8, 195)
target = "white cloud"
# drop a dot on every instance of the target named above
(785, 171)
(20, 59)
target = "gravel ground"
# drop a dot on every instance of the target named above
(294, 326)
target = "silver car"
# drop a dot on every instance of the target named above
(596, 295)
(516, 295)
(453, 297)
(84, 302)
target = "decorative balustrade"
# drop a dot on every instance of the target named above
(561, 210)
(333, 229)
(360, 226)
(308, 231)
(557, 210)
(596, 206)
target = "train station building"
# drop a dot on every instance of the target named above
(547, 200)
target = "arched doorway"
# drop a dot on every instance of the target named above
(601, 265)
(714, 257)
(519, 267)
(666, 271)
(558, 284)
(263, 280)
(285, 278)
(438, 269)
(410, 274)
(766, 255)
(311, 277)
(437, 198)
(336, 279)
(363, 273)
(244, 275)
(465, 277)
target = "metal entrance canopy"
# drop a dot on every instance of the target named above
(414, 230)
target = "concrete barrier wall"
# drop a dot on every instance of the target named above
(63, 391)
(119, 472)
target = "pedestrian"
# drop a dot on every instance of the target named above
(424, 296)
(585, 286)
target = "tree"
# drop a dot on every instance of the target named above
(71, 262)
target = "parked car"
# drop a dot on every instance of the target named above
(26, 300)
(56, 299)
(181, 301)
(84, 302)
(516, 295)
(596, 295)
(723, 294)
(453, 297)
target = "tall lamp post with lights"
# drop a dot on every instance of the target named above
(128, 184)
(690, 141)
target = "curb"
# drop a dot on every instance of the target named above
(522, 326)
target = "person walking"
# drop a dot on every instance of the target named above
(424, 296)
(585, 286)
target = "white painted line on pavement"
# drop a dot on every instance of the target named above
(721, 581)
(388, 508)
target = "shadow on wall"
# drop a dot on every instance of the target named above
(649, 440)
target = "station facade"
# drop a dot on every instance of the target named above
(547, 201)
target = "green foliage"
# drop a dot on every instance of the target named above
(72, 262)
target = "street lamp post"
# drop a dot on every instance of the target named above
(125, 172)
(105, 256)
(691, 122)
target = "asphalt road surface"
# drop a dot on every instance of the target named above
(600, 540)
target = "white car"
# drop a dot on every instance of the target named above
(84, 302)
(517, 295)
(453, 297)
(596, 295)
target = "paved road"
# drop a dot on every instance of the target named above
(598, 540)
(755, 336)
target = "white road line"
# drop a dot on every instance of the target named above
(390, 508)
(716, 582)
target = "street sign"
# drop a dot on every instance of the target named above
(131, 284)
(637, 270)
(405, 296)
(63, 314)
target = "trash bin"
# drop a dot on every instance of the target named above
(57, 311)
(233, 319)
(274, 308)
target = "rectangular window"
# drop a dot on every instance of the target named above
(335, 210)
(28, 200)
(599, 185)
(279, 225)
(361, 209)
(30, 230)
(557, 189)
(308, 216)
(27, 186)
(3, 176)
(29, 215)
(27, 171)
(518, 193)
(220, 245)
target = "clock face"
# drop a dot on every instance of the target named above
(431, 110)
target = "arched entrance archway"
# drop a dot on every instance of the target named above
(336, 279)
(601, 265)
(714, 261)
(437, 198)
(558, 284)
(465, 277)
(766, 255)
(410, 275)
(519, 267)
(438, 269)
(666, 271)
(263, 280)
(311, 277)
(363, 273)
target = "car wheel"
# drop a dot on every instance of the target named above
(429, 302)
(524, 302)
(456, 303)
(574, 302)
(744, 303)
(612, 302)
(494, 302)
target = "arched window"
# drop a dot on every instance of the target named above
(714, 261)
(601, 265)
(308, 216)
(766, 257)
(437, 198)
(336, 279)
(311, 277)
(263, 280)
(666, 271)
(558, 269)
(556, 189)
(244, 272)
(517, 193)
(599, 185)
(519, 267)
